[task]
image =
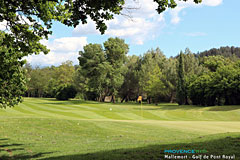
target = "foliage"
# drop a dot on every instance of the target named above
(101, 72)
(164, 4)
(154, 86)
(170, 81)
(219, 85)
(151, 60)
(116, 50)
(231, 52)
(12, 79)
(64, 92)
(130, 87)
(93, 70)
(44, 82)
(181, 88)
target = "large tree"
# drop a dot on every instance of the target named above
(93, 69)
(130, 87)
(116, 50)
(149, 79)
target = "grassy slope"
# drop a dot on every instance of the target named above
(49, 129)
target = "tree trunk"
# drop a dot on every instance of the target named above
(149, 100)
(186, 101)
(171, 100)
(113, 98)
(123, 99)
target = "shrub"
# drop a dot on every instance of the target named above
(65, 92)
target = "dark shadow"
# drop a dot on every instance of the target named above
(24, 156)
(10, 145)
(8, 151)
(77, 101)
(225, 145)
(2, 139)
(13, 149)
(72, 101)
(224, 108)
(171, 107)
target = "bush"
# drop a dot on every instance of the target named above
(65, 92)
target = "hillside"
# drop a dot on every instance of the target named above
(224, 51)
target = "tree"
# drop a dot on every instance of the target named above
(37, 82)
(130, 87)
(116, 50)
(65, 91)
(12, 80)
(44, 82)
(232, 52)
(150, 60)
(154, 86)
(170, 81)
(181, 90)
(61, 75)
(93, 70)
(218, 85)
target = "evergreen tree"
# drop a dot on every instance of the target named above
(181, 91)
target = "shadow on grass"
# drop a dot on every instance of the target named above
(224, 108)
(10, 151)
(67, 102)
(77, 102)
(190, 107)
(171, 107)
(225, 145)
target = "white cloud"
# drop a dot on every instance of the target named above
(182, 5)
(175, 15)
(137, 29)
(86, 29)
(62, 49)
(144, 24)
(212, 2)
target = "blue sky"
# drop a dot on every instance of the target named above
(212, 24)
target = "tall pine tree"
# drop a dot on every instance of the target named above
(181, 90)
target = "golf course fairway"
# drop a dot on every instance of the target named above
(41, 128)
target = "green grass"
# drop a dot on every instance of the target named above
(50, 129)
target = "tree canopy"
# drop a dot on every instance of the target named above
(102, 70)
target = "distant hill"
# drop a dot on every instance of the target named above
(224, 51)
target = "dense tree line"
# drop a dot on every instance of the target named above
(107, 70)
(51, 81)
(219, 84)
(223, 51)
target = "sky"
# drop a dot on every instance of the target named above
(211, 24)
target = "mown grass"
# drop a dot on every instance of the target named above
(50, 129)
